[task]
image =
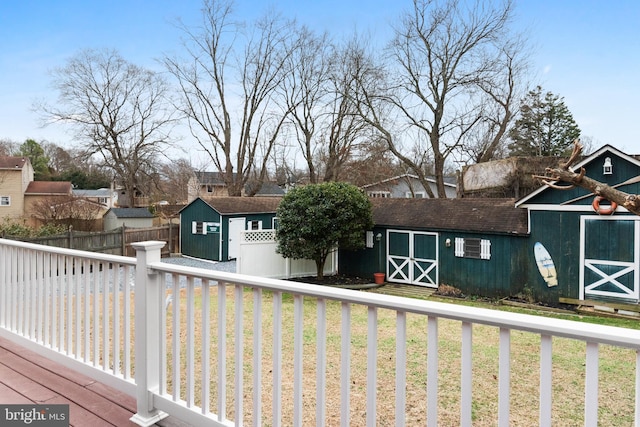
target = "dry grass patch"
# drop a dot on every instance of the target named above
(617, 368)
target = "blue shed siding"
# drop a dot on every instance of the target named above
(559, 232)
(502, 275)
(506, 273)
(204, 246)
(365, 262)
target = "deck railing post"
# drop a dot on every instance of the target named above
(147, 332)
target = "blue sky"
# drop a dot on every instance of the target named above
(587, 51)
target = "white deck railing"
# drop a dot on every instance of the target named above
(231, 349)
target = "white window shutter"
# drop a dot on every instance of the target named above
(485, 249)
(369, 239)
(194, 227)
(459, 250)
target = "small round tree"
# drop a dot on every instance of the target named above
(315, 219)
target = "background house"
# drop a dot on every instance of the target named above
(15, 175)
(210, 228)
(206, 184)
(511, 177)
(42, 198)
(211, 184)
(127, 217)
(106, 197)
(405, 186)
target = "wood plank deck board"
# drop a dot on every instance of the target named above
(9, 396)
(67, 390)
(27, 377)
(24, 385)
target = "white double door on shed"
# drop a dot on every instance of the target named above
(412, 257)
(609, 257)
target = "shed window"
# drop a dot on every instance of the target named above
(197, 227)
(254, 225)
(5, 200)
(473, 248)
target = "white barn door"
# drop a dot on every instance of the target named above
(609, 257)
(412, 257)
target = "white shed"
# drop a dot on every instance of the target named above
(128, 217)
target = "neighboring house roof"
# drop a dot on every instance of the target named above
(101, 192)
(475, 215)
(130, 212)
(48, 187)
(10, 162)
(268, 189)
(409, 176)
(217, 179)
(210, 178)
(243, 205)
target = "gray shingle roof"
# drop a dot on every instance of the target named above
(476, 215)
(242, 205)
(131, 212)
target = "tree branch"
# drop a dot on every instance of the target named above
(564, 173)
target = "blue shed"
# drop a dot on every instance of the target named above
(595, 254)
(476, 245)
(552, 244)
(210, 228)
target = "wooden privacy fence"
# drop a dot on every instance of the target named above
(165, 233)
(113, 242)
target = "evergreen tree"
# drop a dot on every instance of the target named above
(39, 161)
(545, 127)
(315, 219)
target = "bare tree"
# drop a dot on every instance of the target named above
(317, 91)
(502, 93)
(68, 210)
(8, 147)
(228, 88)
(118, 109)
(174, 181)
(443, 71)
(564, 173)
(348, 135)
(305, 91)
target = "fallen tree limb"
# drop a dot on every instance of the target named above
(564, 173)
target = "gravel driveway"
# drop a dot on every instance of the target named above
(227, 266)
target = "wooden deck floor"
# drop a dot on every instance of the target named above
(29, 378)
